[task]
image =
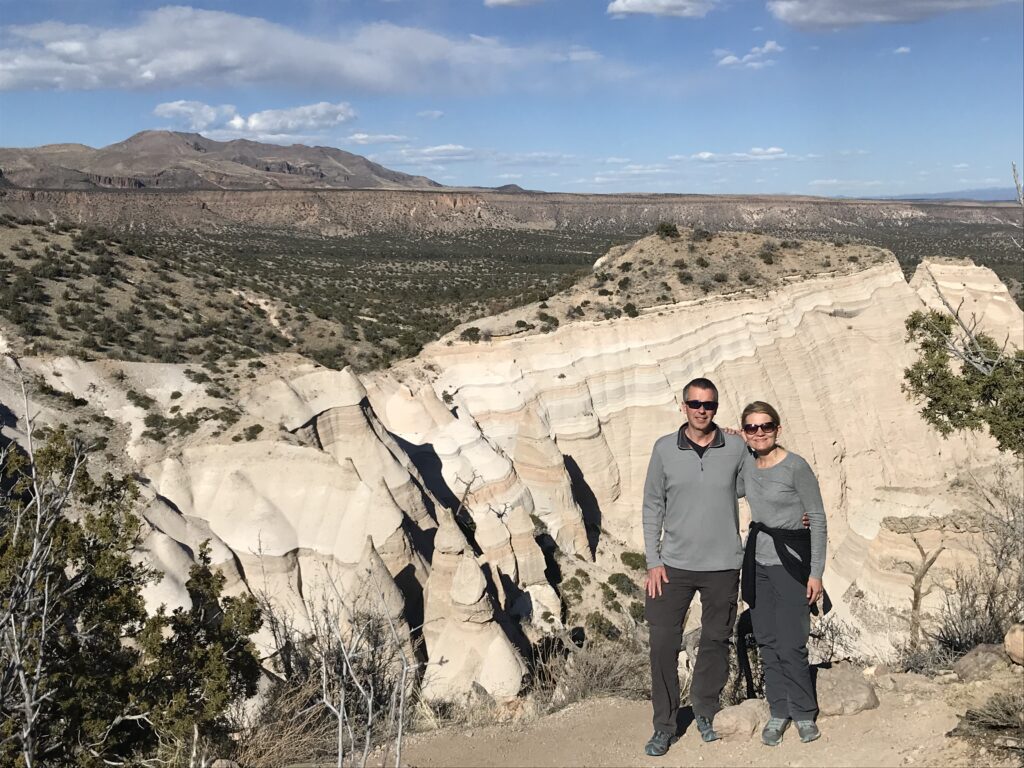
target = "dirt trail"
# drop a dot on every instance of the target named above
(905, 730)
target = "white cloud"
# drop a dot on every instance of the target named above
(848, 152)
(756, 58)
(681, 8)
(510, 175)
(375, 138)
(430, 114)
(195, 115)
(756, 154)
(961, 166)
(309, 118)
(902, 49)
(224, 122)
(843, 183)
(616, 160)
(436, 157)
(841, 13)
(511, 3)
(182, 46)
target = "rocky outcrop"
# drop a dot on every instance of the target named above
(742, 721)
(465, 645)
(981, 662)
(842, 690)
(1013, 644)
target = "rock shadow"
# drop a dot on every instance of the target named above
(584, 495)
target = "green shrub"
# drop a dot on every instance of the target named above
(634, 560)
(666, 230)
(624, 584)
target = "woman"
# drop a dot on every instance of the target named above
(782, 569)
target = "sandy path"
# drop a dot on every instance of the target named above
(904, 730)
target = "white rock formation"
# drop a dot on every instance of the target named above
(464, 643)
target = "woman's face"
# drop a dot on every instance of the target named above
(761, 432)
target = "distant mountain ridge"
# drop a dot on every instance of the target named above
(175, 160)
(987, 194)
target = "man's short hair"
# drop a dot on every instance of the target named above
(700, 383)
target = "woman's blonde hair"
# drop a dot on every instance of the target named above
(766, 409)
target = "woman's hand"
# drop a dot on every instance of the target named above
(814, 590)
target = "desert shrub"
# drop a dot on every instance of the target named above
(626, 266)
(635, 560)
(624, 283)
(745, 276)
(998, 724)
(583, 576)
(666, 230)
(471, 334)
(720, 277)
(702, 235)
(636, 612)
(623, 584)
(73, 595)
(707, 285)
(597, 625)
(831, 639)
(702, 262)
(630, 309)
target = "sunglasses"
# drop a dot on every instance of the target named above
(768, 428)
(707, 405)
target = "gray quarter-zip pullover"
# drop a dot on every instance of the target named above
(690, 515)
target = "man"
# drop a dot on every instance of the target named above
(692, 542)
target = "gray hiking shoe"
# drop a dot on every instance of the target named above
(706, 728)
(772, 733)
(658, 744)
(808, 730)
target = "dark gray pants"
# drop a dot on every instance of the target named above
(782, 623)
(665, 614)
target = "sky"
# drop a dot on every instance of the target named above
(818, 97)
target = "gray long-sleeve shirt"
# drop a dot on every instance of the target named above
(778, 498)
(690, 515)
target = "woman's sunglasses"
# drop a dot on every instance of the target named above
(768, 428)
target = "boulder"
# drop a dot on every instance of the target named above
(1013, 644)
(842, 690)
(981, 662)
(742, 721)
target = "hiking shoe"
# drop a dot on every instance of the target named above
(658, 744)
(707, 730)
(808, 730)
(772, 734)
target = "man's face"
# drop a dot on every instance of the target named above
(700, 418)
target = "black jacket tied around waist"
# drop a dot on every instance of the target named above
(797, 567)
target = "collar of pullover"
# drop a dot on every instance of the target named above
(683, 444)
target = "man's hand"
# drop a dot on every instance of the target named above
(806, 520)
(655, 578)
(814, 590)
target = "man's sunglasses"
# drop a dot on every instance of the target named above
(707, 405)
(768, 428)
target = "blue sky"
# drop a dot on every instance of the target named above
(822, 97)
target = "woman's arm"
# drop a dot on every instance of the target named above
(810, 497)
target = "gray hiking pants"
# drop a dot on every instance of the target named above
(782, 623)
